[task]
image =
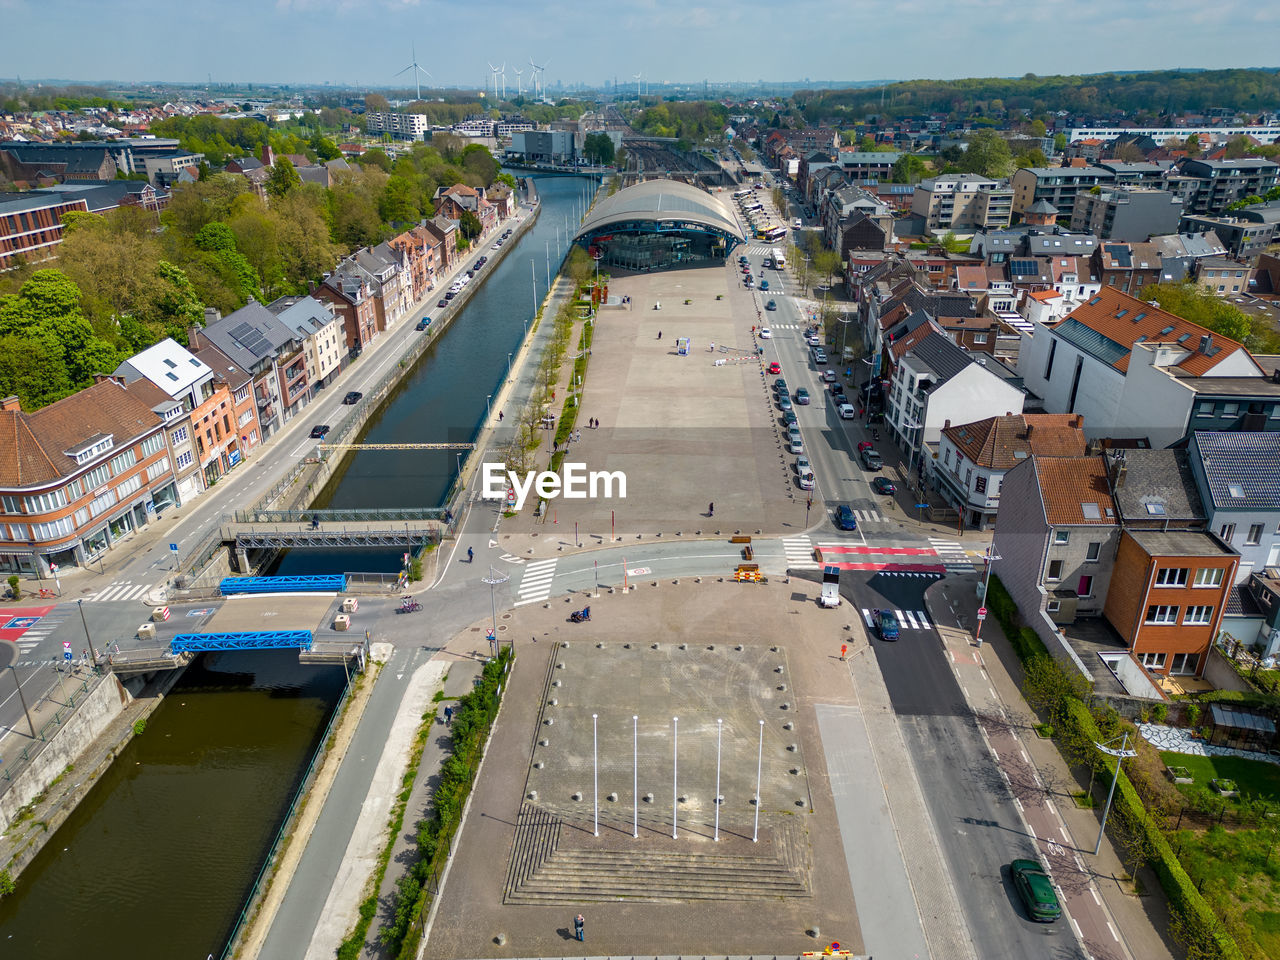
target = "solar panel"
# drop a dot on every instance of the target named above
(249, 338)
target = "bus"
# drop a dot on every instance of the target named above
(773, 235)
(746, 192)
(779, 260)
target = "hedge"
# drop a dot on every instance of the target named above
(1026, 642)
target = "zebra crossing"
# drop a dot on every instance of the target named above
(868, 516)
(785, 326)
(954, 557)
(42, 630)
(760, 249)
(118, 590)
(799, 551)
(535, 585)
(907, 619)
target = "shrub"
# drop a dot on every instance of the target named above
(1192, 714)
(6, 884)
(1160, 712)
(139, 726)
(15, 586)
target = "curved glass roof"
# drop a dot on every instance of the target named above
(662, 200)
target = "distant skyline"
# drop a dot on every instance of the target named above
(363, 43)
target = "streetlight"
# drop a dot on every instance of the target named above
(488, 412)
(508, 367)
(9, 652)
(988, 559)
(92, 653)
(494, 579)
(1119, 755)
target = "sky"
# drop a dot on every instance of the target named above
(365, 42)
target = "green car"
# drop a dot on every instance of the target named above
(1036, 890)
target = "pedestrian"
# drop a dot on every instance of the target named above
(659, 334)
(500, 415)
(711, 509)
(448, 715)
(471, 556)
(579, 927)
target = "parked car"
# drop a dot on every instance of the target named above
(451, 294)
(765, 333)
(771, 305)
(828, 376)
(884, 485)
(802, 396)
(352, 396)
(318, 431)
(1035, 889)
(789, 416)
(443, 303)
(802, 465)
(837, 394)
(422, 324)
(845, 519)
(795, 444)
(819, 357)
(864, 445)
(887, 625)
(778, 384)
(806, 480)
(784, 402)
(870, 459)
(846, 411)
(764, 286)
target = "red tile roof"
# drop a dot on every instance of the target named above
(1068, 483)
(1001, 443)
(1123, 319)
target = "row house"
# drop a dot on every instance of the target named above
(839, 208)
(1132, 369)
(349, 295)
(974, 457)
(1127, 266)
(244, 405)
(79, 476)
(423, 255)
(502, 198)
(453, 200)
(447, 232)
(389, 280)
(321, 334)
(177, 425)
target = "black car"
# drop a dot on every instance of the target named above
(352, 397)
(318, 432)
(442, 304)
(450, 295)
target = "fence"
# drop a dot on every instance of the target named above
(80, 689)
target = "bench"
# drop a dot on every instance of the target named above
(740, 539)
(748, 568)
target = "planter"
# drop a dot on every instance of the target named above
(1044, 731)
(1224, 788)
(1180, 775)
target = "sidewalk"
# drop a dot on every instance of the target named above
(1115, 924)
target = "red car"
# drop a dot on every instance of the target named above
(776, 367)
(864, 445)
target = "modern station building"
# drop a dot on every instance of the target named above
(660, 224)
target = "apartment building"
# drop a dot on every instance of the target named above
(321, 334)
(1057, 186)
(962, 201)
(1126, 213)
(404, 126)
(1243, 238)
(1210, 186)
(31, 225)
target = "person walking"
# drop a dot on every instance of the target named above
(711, 509)
(659, 334)
(500, 416)
(579, 927)
(471, 556)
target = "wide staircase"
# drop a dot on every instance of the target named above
(553, 860)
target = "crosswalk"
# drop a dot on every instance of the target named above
(118, 590)
(759, 249)
(868, 516)
(535, 585)
(954, 557)
(32, 638)
(799, 551)
(907, 619)
(785, 326)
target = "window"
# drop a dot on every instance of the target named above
(1197, 616)
(1230, 409)
(132, 485)
(1255, 535)
(1085, 587)
(1162, 613)
(1209, 577)
(1048, 367)
(1204, 408)
(123, 462)
(1062, 536)
(1092, 552)
(81, 517)
(184, 459)
(1055, 570)
(1171, 577)
(979, 338)
(1153, 660)
(980, 484)
(1185, 663)
(946, 457)
(152, 445)
(96, 477)
(1054, 606)
(1228, 532)
(11, 504)
(158, 469)
(44, 502)
(178, 436)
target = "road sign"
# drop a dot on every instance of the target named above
(173, 547)
(982, 613)
(53, 568)
(921, 506)
(511, 496)
(66, 650)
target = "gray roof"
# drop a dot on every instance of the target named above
(662, 200)
(1158, 486)
(1240, 469)
(1043, 206)
(249, 336)
(1261, 212)
(305, 315)
(1061, 244)
(942, 358)
(1235, 719)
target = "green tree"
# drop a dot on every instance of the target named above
(228, 263)
(480, 163)
(908, 168)
(470, 225)
(325, 149)
(1192, 145)
(376, 103)
(598, 148)
(988, 155)
(866, 143)
(1031, 158)
(951, 155)
(1036, 128)
(400, 201)
(1059, 142)
(283, 177)
(1238, 147)
(375, 158)
(1197, 304)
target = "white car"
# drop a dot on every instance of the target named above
(765, 333)
(846, 411)
(797, 445)
(813, 340)
(797, 223)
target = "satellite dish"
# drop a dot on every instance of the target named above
(8, 653)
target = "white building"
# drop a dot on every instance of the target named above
(172, 368)
(321, 332)
(410, 126)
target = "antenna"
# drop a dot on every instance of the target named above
(417, 69)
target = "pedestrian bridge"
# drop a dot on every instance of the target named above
(303, 529)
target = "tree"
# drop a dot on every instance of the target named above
(826, 264)
(1192, 145)
(283, 177)
(1036, 128)
(1197, 304)
(866, 143)
(470, 225)
(1049, 689)
(480, 164)
(325, 149)
(1059, 142)
(375, 158)
(988, 155)
(952, 154)
(598, 148)
(908, 168)
(400, 201)
(376, 103)
(450, 145)
(1238, 147)
(1031, 158)
(1128, 152)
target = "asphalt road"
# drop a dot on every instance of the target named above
(971, 805)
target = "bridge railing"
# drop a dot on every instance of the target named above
(345, 515)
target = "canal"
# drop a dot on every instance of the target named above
(158, 858)
(445, 397)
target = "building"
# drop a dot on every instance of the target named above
(1222, 275)
(401, 126)
(243, 402)
(177, 425)
(1126, 213)
(974, 457)
(962, 201)
(79, 476)
(31, 225)
(1240, 489)
(1243, 238)
(543, 146)
(1055, 185)
(858, 165)
(253, 339)
(1264, 133)
(350, 296)
(1126, 266)
(935, 382)
(320, 330)
(1210, 186)
(1127, 366)
(31, 162)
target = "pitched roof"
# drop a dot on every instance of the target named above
(1074, 489)
(1240, 469)
(940, 356)
(1002, 442)
(1158, 485)
(1111, 322)
(167, 364)
(34, 446)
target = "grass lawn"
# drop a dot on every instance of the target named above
(1253, 777)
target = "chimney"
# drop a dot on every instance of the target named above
(193, 338)
(946, 424)
(11, 403)
(1027, 435)
(1078, 421)
(1206, 343)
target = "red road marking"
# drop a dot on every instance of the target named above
(883, 551)
(890, 567)
(24, 619)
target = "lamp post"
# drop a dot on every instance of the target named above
(635, 775)
(509, 366)
(716, 798)
(487, 411)
(533, 277)
(92, 653)
(988, 559)
(755, 832)
(1120, 754)
(595, 763)
(675, 773)
(494, 579)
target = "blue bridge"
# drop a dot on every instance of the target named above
(256, 640)
(327, 583)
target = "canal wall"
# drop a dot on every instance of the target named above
(48, 790)
(310, 481)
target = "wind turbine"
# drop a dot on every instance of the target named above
(636, 78)
(414, 67)
(519, 82)
(539, 70)
(493, 71)
(503, 71)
